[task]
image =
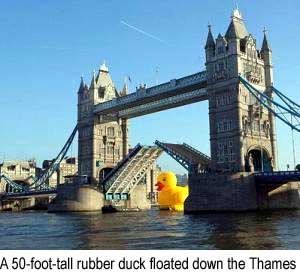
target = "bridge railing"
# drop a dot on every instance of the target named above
(277, 173)
(156, 105)
(185, 162)
(31, 193)
(277, 177)
(197, 152)
(142, 92)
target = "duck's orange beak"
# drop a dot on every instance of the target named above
(160, 186)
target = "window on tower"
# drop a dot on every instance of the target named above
(101, 92)
(110, 149)
(111, 132)
(223, 100)
(221, 66)
(225, 152)
(243, 45)
(224, 125)
(220, 50)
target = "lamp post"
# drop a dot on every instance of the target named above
(293, 144)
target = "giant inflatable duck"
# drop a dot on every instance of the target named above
(170, 196)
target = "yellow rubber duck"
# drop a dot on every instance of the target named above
(170, 196)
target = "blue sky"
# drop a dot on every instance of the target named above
(46, 46)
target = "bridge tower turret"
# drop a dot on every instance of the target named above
(100, 139)
(242, 132)
(266, 54)
(210, 44)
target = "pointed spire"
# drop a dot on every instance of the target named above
(81, 81)
(125, 87)
(82, 85)
(265, 44)
(103, 70)
(93, 82)
(237, 28)
(236, 13)
(210, 42)
(236, 5)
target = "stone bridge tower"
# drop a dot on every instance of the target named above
(102, 141)
(242, 132)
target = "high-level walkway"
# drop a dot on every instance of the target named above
(175, 93)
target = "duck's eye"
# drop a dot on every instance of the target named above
(164, 179)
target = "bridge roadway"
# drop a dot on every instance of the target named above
(271, 179)
(27, 194)
(277, 177)
(123, 179)
(190, 158)
(175, 93)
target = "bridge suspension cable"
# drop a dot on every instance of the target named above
(290, 103)
(41, 181)
(286, 110)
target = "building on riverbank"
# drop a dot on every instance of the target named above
(67, 167)
(21, 171)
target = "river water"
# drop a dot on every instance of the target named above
(150, 230)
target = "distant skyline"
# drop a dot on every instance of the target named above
(46, 46)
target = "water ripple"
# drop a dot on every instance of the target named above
(150, 230)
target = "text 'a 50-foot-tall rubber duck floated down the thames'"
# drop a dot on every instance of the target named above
(170, 196)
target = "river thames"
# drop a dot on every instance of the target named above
(150, 230)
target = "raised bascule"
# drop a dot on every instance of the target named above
(241, 172)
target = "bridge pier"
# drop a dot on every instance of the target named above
(221, 192)
(138, 200)
(286, 196)
(238, 192)
(74, 197)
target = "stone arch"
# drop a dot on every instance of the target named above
(258, 158)
(103, 172)
(7, 188)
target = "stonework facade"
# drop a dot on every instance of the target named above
(242, 132)
(67, 167)
(221, 192)
(76, 198)
(102, 140)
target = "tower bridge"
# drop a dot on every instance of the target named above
(243, 105)
(238, 84)
(242, 129)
